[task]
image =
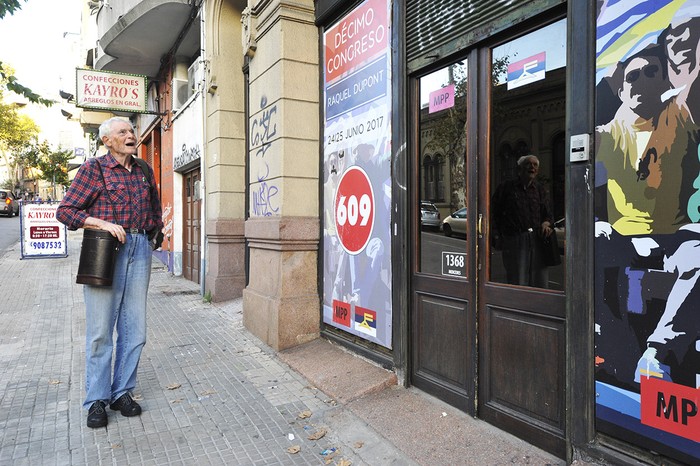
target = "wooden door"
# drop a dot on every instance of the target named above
(191, 223)
(443, 331)
(484, 338)
(521, 301)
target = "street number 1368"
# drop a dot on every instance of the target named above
(454, 260)
(352, 210)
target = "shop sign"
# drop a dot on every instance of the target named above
(41, 235)
(106, 90)
(188, 137)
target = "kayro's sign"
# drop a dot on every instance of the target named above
(110, 91)
(41, 235)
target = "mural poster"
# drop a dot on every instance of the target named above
(357, 173)
(647, 244)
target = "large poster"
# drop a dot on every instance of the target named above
(357, 173)
(647, 245)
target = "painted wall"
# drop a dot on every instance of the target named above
(188, 141)
(647, 245)
(166, 164)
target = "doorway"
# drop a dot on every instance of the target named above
(488, 305)
(191, 226)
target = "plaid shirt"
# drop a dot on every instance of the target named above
(130, 195)
(517, 208)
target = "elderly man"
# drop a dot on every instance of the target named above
(522, 215)
(116, 194)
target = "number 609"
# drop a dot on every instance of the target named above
(349, 213)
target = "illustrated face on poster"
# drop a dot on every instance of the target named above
(357, 171)
(647, 245)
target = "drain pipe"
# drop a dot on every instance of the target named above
(204, 249)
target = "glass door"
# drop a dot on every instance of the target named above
(521, 302)
(442, 318)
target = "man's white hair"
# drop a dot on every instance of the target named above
(522, 159)
(106, 126)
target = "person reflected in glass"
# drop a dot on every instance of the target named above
(521, 218)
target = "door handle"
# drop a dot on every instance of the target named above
(478, 225)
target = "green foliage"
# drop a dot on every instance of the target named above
(449, 132)
(52, 164)
(16, 130)
(13, 85)
(9, 7)
(207, 297)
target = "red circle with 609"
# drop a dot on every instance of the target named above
(354, 210)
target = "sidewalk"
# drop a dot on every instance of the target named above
(211, 392)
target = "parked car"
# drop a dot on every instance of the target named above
(9, 205)
(456, 222)
(429, 215)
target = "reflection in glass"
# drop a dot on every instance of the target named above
(442, 181)
(527, 193)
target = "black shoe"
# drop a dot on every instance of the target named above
(126, 405)
(97, 416)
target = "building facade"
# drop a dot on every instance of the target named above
(295, 141)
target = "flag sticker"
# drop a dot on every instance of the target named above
(366, 321)
(526, 71)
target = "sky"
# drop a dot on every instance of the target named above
(39, 61)
(36, 41)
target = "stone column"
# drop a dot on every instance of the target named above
(225, 152)
(281, 304)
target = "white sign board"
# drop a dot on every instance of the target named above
(41, 234)
(110, 91)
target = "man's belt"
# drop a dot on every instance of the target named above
(135, 231)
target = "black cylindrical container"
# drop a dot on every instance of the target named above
(97, 258)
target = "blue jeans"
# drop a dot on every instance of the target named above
(124, 305)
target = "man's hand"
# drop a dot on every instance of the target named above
(546, 229)
(115, 230)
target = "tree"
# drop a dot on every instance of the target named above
(16, 133)
(449, 128)
(52, 165)
(9, 7)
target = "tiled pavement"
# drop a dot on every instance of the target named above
(211, 392)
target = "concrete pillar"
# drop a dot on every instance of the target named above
(281, 303)
(225, 152)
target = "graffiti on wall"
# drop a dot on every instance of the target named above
(187, 156)
(263, 190)
(647, 245)
(168, 220)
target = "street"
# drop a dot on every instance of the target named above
(9, 232)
